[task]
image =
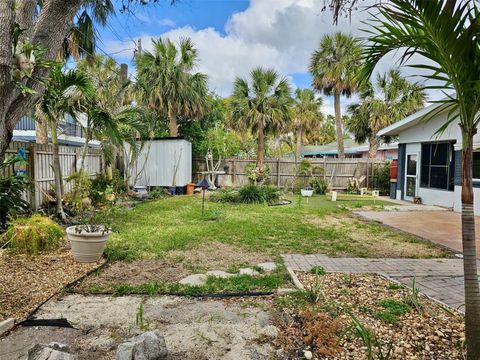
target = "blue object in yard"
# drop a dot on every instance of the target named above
(204, 184)
(172, 190)
(393, 189)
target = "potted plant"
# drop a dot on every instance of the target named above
(88, 239)
(307, 191)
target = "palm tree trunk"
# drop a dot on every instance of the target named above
(172, 123)
(339, 127)
(260, 147)
(41, 133)
(373, 147)
(84, 150)
(299, 143)
(472, 293)
(57, 172)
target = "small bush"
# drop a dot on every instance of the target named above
(251, 194)
(382, 178)
(320, 186)
(225, 196)
(98, 188)
(33, 234)
(158, 193)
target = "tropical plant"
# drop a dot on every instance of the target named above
(389, 100)
(66, 93)
(334, 66)
(447, 34)
(33, 234)
(11, 191)
(263, 107)
(306, 116)
(168, 83)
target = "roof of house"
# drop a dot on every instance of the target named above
(350, 145)
(411, 120)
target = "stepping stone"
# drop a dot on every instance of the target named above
(248, 271)
(285, 291)
(267, 266)
(219, 273)
(195, 279)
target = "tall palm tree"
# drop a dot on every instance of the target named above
(306, 116)
(263, 106)
(64, 94)
(168, 82)
(446, 32)
(390, 99)
(333, 67)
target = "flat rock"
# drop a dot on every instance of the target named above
(269, 331)
(147, 346)
(6, 325)
(285, 291)
(248, 271)
(219, 273)
(267, 266)
(51, 351)
(195, 279)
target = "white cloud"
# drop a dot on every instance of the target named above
(271, 33)
(166, 22)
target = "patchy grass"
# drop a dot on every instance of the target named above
(155, 229)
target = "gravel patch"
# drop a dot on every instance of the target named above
(381, 306)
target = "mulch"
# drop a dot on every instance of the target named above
(27, 281)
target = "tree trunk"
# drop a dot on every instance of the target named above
(472, 294)
(57, 172)
(298, 147)
(338, 125)
(47, 30)
(172, 123)
(260, 148)
(85, 149)
(41, 132)
(373, 147)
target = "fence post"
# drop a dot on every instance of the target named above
(31, 170)
(278, 172)
(367, 172)
(233, 172)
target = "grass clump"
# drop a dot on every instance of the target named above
(318, 270)
(32, 235)
(249, 194)
(393, 310)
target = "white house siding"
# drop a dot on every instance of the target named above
(425, 131)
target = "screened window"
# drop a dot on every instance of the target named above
(437, 166)
(476, 165)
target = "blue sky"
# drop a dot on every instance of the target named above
(234, 36)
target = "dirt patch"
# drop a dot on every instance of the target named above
(216, 255)
(375, 240)
(27, 281)
(413, 329)
(134, 273)
(193, 329)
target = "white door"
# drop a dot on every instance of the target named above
(411, 176)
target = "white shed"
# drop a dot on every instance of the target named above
(163, 162)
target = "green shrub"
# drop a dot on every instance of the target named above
(98, 188)
(320, 186)
(382, 178)
(158, 193)
(271, 194)
(33, 234)
(11, 191)
(225, 196)
(251, 194)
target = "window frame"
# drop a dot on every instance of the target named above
(450, 169)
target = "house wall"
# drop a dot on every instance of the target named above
(412, 138)
(388, 154)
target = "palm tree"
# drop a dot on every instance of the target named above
(263, 106)
(392, 98)
(306, 116)
(333, 67)
(64, 94)
(447, 33)
(168, 83)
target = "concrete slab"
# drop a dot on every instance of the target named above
(441, 227)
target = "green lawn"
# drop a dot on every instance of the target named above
(153, 229)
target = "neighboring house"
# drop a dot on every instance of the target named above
(429, 163)
(70, 133)
(352, 150)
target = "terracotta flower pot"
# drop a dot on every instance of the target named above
(87, 246)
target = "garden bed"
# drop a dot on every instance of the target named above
(394, 318)
(27, 281)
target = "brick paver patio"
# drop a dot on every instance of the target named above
(441, 279)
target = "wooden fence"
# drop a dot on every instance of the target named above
(282, 171)
(39, 167)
